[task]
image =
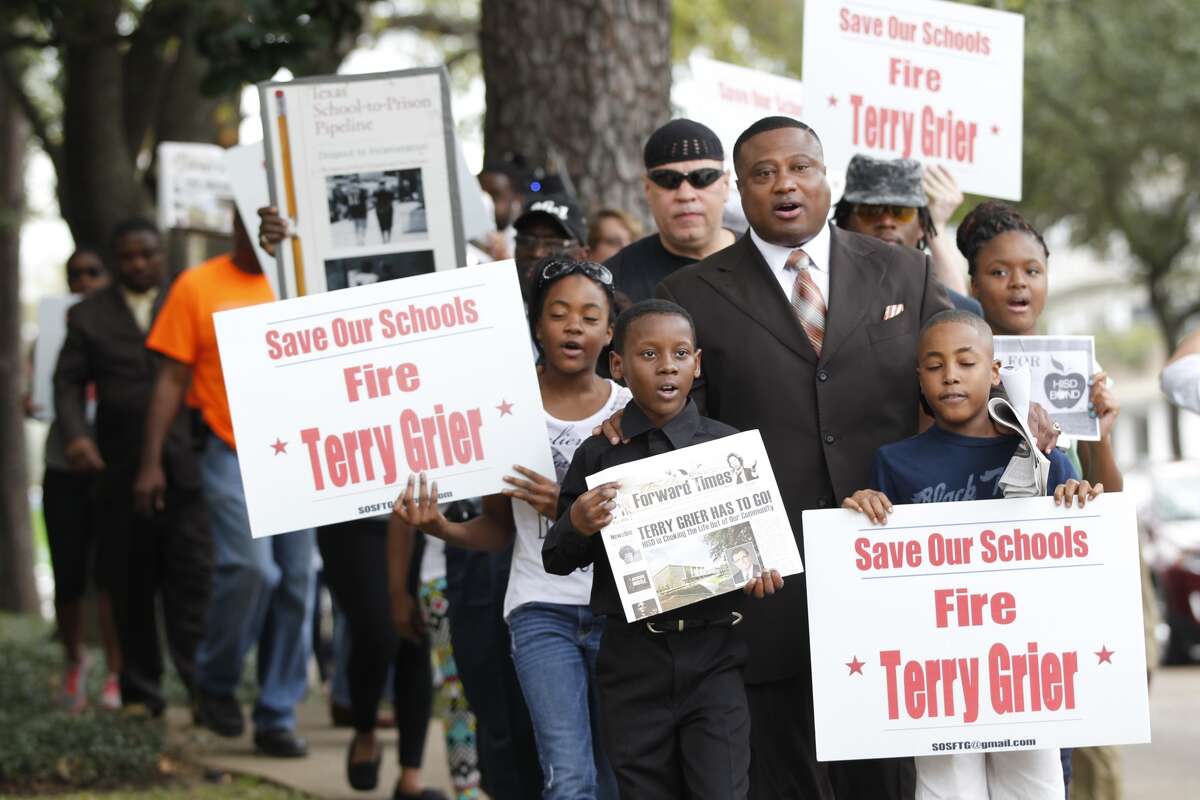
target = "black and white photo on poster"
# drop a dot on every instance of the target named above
(343, 273)
(369, 209)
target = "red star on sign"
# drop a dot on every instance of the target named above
(505, 408)
(995, 130)
(279, 446)
(832, 100)
(1104, 655)
(855, 666)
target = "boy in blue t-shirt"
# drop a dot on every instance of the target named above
(961, 458)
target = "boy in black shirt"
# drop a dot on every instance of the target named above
(672, 700)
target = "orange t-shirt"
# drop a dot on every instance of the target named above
(184, 331)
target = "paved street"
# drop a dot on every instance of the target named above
(1169, 767)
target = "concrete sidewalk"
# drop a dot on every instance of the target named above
(323, 772)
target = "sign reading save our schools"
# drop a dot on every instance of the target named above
(992, 625)
(337, 398)
(935, 81)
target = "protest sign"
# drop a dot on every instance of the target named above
(935, 81)
(695, 523)
(365, 168)
(247, 169)
(991, 625)
(52, 332)
(193, 188)
(1060, 371)
(729, 98)
(337, 398)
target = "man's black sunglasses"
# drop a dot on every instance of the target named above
(698, 178)
(561, 267)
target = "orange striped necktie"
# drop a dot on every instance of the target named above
(807, 302)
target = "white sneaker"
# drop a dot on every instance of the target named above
(110, 695)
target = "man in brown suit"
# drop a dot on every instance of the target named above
(809, 335)
(139, 558)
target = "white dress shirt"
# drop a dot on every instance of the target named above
(776, 257)
(141, 306)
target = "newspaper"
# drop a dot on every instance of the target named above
(695, 523)
(1029, 470)
(1059, 368)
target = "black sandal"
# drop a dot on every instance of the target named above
(424, 794)
(363, 776)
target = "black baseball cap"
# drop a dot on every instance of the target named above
(560, 209)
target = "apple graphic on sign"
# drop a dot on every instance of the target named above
(1064, 389)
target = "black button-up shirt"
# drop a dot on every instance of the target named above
(566, 549)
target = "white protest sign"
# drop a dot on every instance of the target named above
(976, 626)
(337, 398)
(695, 523)
(193, 188)
(729, 98)
(247, 169)
(1060, 370)
(366, 170)
(935, 81)
(52, 332)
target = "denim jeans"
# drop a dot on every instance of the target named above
(262, 594)
(554, 650)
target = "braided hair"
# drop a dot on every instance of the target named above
(986, 221)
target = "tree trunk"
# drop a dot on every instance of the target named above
(1170, 325)
(578, 87)
(18, 592)
(98, 187)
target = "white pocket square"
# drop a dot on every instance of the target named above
(893, 311)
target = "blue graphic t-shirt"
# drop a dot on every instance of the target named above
(940, 467)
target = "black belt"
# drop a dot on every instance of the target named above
(681, 625)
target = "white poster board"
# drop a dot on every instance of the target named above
(729, 98)
(936, 81)
(1060, 371)
(989, 625)
(695, 523)
(337, 398)
(365, 169)
(247, 169)
(52, 332)
(193, 188)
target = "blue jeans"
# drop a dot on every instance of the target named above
(554, 650)
(262, 593)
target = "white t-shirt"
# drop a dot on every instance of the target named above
(433, 560)
(529, 582)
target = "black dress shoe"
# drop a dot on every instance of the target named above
(282, 743)
(221, 714)
(362, 775)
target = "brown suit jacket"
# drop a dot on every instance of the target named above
(105, 346)
(821, 419)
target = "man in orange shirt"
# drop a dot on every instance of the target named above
(262, 588)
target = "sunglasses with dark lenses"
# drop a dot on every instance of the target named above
(870, 212)
(559, 268)
(698, 178)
